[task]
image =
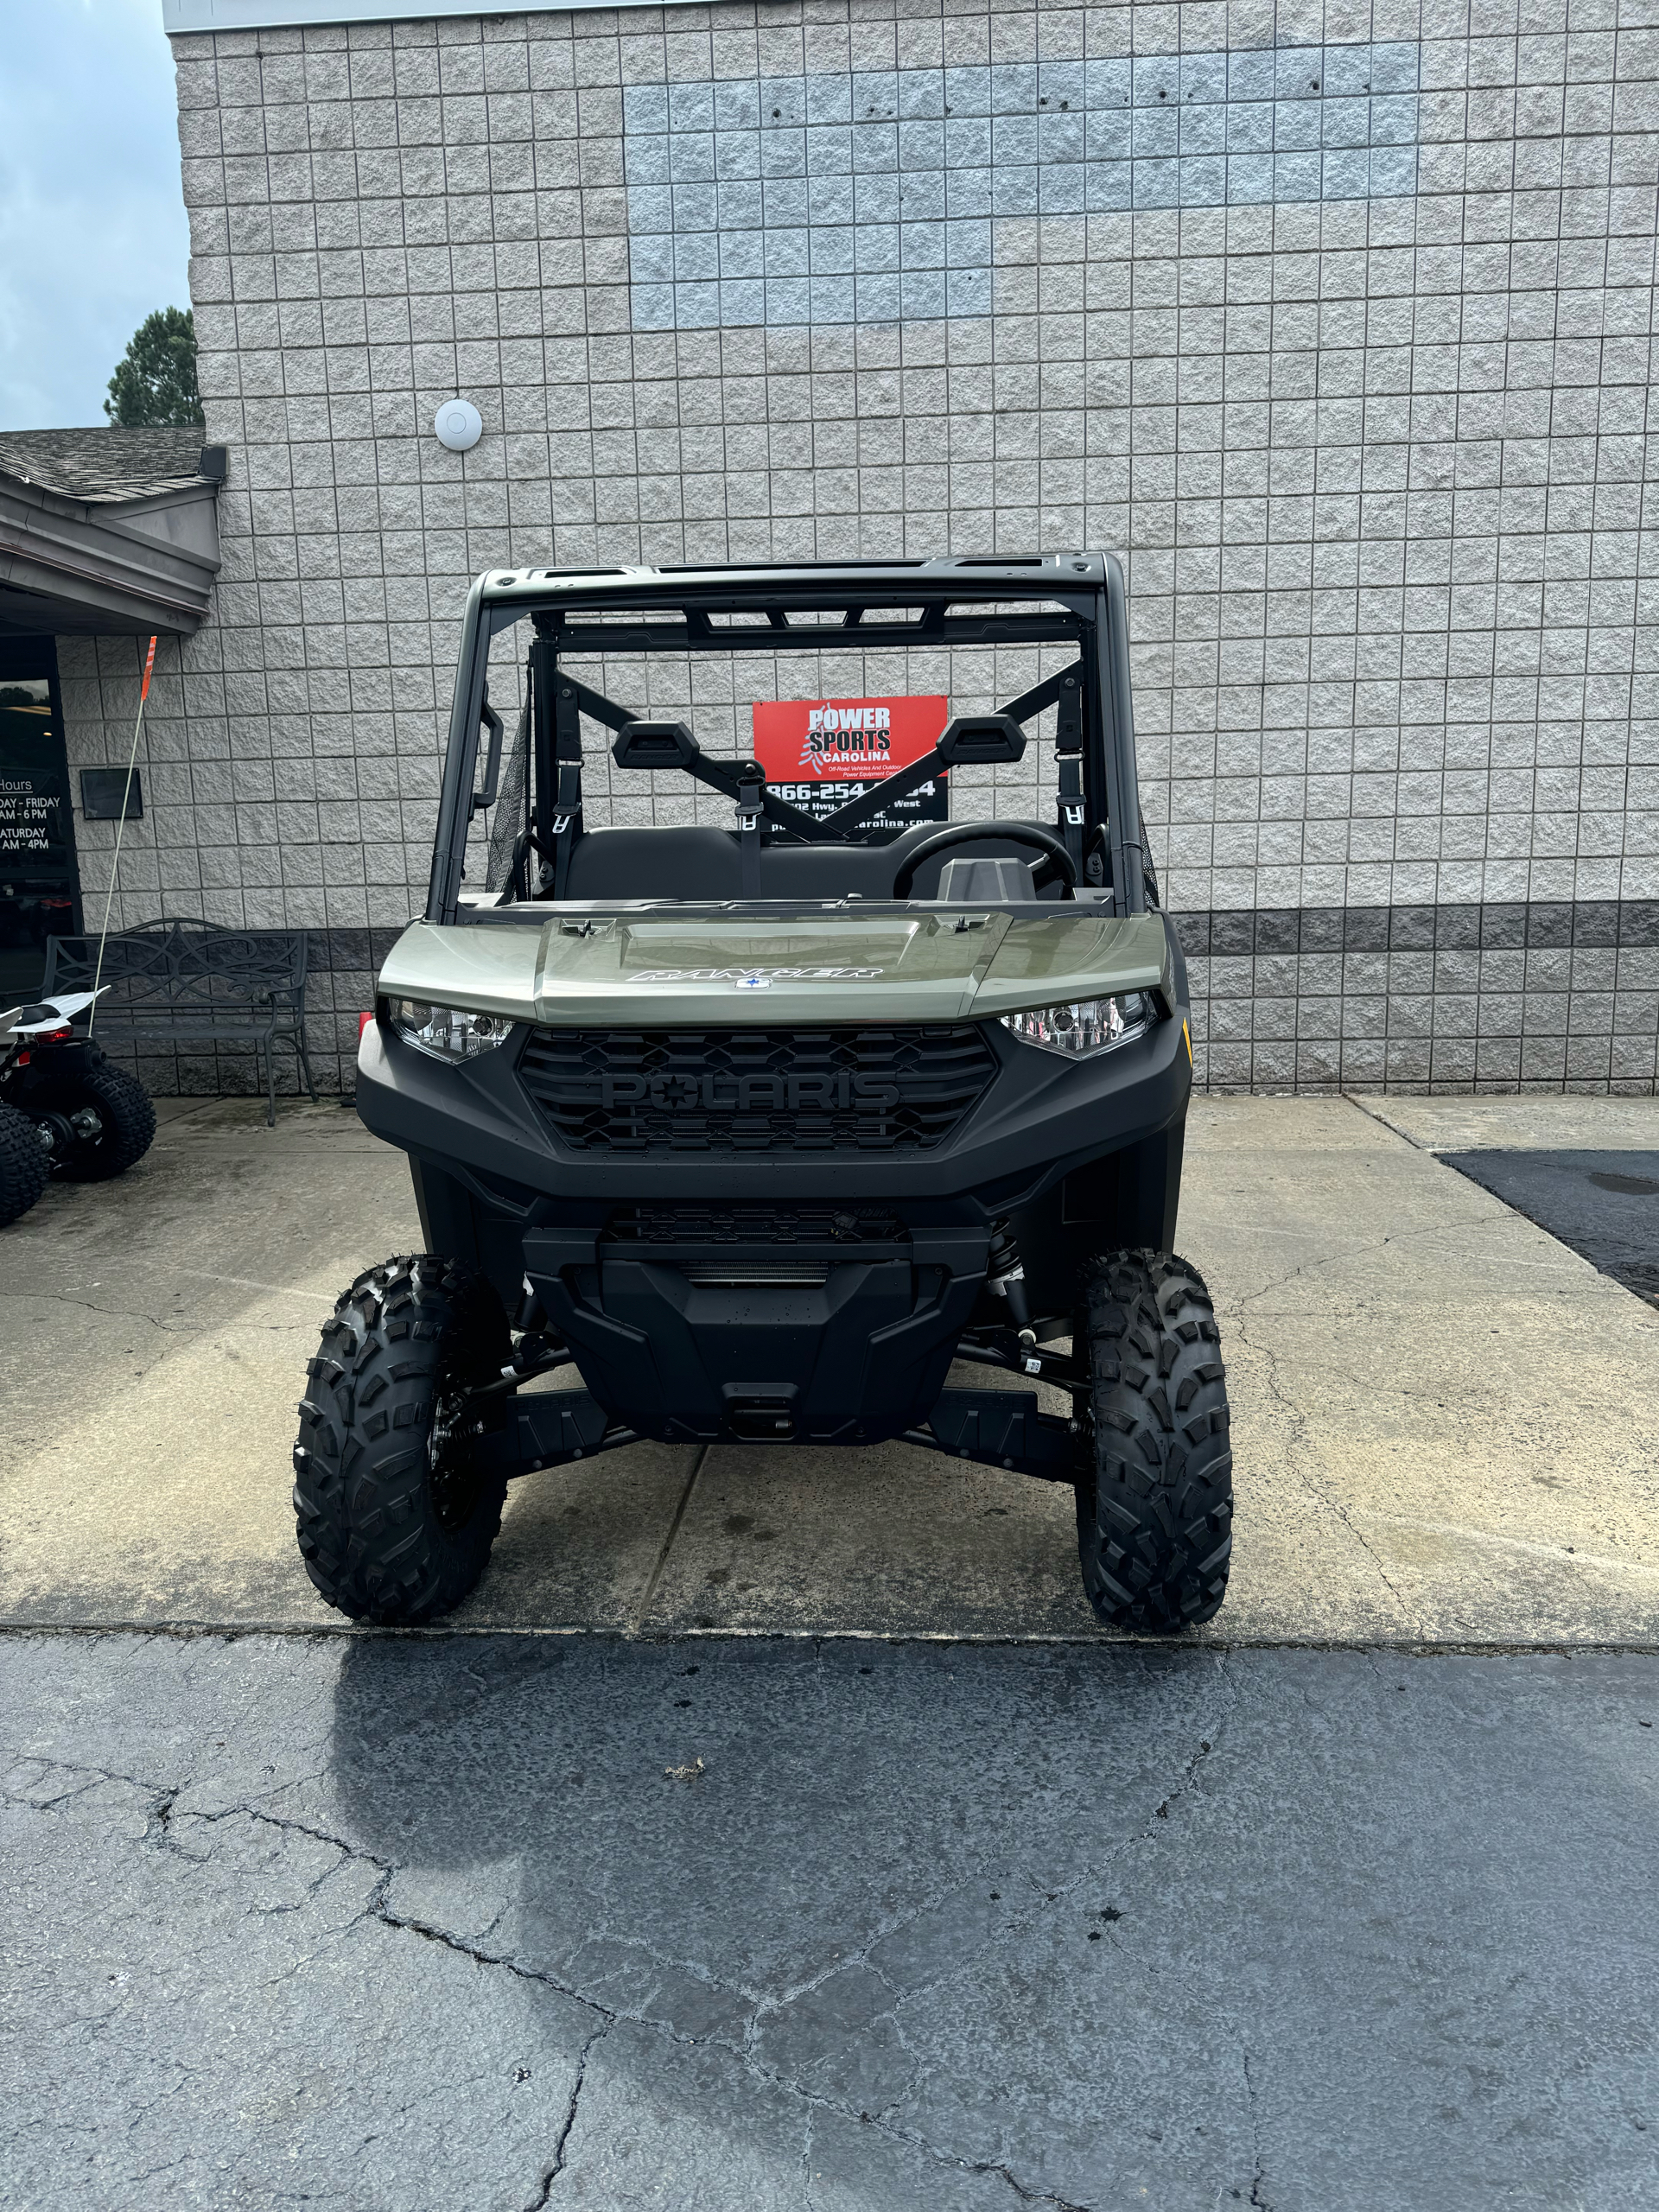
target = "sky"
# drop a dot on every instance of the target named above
(92, 229)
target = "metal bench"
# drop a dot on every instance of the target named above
(187, 983)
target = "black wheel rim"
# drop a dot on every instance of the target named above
(74, 1133)
(452, 1464)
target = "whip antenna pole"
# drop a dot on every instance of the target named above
(115, 861)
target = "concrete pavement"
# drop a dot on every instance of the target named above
(1586, 1172)
(1446, 1422)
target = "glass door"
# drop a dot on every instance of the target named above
(40, 887)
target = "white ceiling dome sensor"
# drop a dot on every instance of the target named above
(459, 425)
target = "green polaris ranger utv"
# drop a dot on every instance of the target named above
(767, 1103)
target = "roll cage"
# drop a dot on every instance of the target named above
(1074, 598)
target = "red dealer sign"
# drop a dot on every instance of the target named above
(822, 754)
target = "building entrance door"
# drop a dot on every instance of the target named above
(40, 888)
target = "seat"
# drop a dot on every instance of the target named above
(691, 862)
(699, 862)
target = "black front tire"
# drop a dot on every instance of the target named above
(100, 1120)
(23, 1167)
(397, 1510)
(1155, 1501)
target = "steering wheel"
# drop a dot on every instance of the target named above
(1055, 859)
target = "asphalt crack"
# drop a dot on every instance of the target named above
(158, 1835)
(1258, 2178)
(1040, 1900)
(1030, 2196)
(556, 2167)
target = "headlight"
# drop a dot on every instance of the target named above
(448, 1033)
(1083, 1026)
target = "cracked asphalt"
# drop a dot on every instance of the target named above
(506, 1921)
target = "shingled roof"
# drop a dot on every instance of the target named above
(108, 466)
(107, 532)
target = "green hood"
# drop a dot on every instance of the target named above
(793, 969)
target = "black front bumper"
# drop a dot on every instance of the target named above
(1040, 1117)
(775, 1296)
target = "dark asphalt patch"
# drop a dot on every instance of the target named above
(394, 1925)
(1603, 1204)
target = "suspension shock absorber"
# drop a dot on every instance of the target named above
(1006, 1277)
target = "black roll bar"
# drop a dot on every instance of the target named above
(1099, 615)
(456, 793)
(1121, 781)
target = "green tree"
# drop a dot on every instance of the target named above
(154, 387)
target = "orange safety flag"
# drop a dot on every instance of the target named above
(149, 663)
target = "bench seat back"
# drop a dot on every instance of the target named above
(181, 979)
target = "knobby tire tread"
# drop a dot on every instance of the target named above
(368, 1526)
(123, 1106)
(24, 1172)
(1155, 1505)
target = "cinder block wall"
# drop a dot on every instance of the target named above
(1334, 320)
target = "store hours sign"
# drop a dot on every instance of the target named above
(28, 820)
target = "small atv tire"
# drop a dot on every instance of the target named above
(24, 1169)
(397, 1509)
(120, 1107)
(1155, 1504)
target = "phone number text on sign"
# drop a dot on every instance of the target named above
(820, 754)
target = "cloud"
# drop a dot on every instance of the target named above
(92, 229)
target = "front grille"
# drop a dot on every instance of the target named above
(739, 1091)
(764, 1225)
